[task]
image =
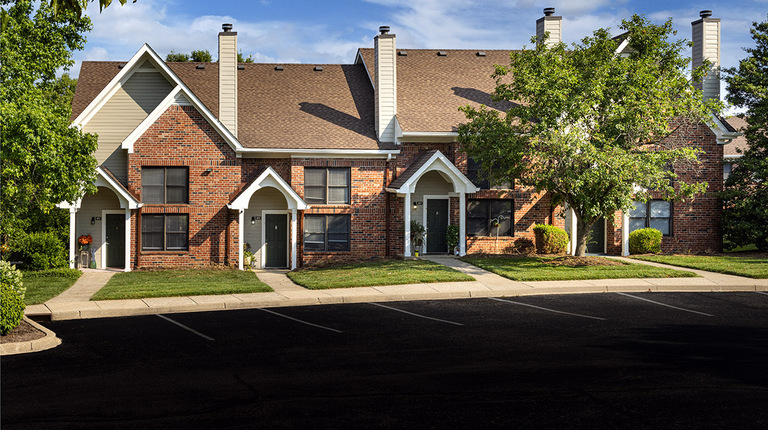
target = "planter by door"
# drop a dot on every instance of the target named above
(437, 225)
(115, 243)
(276, 240)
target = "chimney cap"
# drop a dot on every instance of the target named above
(226, 27)
(705, 13)
(549, 11)
(384, 29)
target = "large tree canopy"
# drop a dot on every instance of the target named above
(587, 123)
(745, 216)
(43, 161)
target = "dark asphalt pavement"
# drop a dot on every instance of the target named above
(694, 360)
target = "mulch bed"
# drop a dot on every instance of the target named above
(25, 332)
(572, 261)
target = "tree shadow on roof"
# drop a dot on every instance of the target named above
(481, 97)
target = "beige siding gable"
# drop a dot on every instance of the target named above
(122, 113)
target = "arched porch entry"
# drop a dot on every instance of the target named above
(426, 187)
(106, 217)
(268, 214)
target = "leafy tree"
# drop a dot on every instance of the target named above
(177, 57)
(77, 6)
(587, 124)
(745, 215)
(241, 59)
(43, 161)
(202, 56)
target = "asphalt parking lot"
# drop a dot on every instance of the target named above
(611, 360)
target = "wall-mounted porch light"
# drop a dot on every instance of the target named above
(93, 220)
(253, 220)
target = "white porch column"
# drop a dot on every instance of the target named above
(72, 239)
(624, 234)
(240, 233)
(462, 223)
(127, 240)
(294, 247)
(574, 224)
(407, 224)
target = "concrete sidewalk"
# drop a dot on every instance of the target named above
(74, 303)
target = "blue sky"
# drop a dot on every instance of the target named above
(331, 31)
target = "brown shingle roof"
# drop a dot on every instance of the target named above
(297, 107)
(412, 169)
(738, 124)
(430, 88)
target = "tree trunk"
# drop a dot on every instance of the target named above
(583, 232)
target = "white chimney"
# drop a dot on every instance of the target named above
(228, 78)
(551, 24)
(386, 84)
(706, 45)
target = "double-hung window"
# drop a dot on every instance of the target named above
(654, 214)
(165, 232)
(326, 233)
(326, 185)
(165, 185)
(489, 217)
(474, 174)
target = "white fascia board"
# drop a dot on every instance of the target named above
(622, 46)
(316, 153)
(132, 202)
(270, 178)
(721, 131)
(438, 162)
(431, 136)
(150, 119)
(73, 205)
(733, 157)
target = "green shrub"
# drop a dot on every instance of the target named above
(41, 251)
(645, 241)
(11, 276)
(11, 309)
(550, 239)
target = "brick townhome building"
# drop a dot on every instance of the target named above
(306, 163)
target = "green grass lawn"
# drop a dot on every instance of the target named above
(179, 283)
(368, 274)
(533, 269)
(46, 284)
(749, 266)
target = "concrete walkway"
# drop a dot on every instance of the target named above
(74, 303)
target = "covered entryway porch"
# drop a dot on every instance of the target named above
(427, 187)
(268, 220)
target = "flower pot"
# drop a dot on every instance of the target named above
(415, 253)
(86, 247)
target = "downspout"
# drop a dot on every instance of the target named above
(226, 239)
(386, 206)
(138, 238)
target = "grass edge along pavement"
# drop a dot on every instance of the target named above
(528, 269)
(376, 273)
(46, 284)
(140, 284)
(755, 267)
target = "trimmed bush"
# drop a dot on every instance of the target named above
(550, 239)
(452, 237)
(645, 241)
(12, 309)
(41, 251)
(11, 276)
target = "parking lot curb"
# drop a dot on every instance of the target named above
(46, 342)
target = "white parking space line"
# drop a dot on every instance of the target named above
(416, 315)
(546, 309)
(300, 321)
(760, 292)
(666, 305)
(185, 327)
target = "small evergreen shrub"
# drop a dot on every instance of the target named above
(11, 276)
(41, 251)
(12, 309)
(452, 237)
(645, 241)
(550, 239)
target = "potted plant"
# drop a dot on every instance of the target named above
(247, 255)
(418, 233)
(452, 238)
(85, 242)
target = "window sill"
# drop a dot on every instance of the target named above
(326, 252)
(151, 252)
